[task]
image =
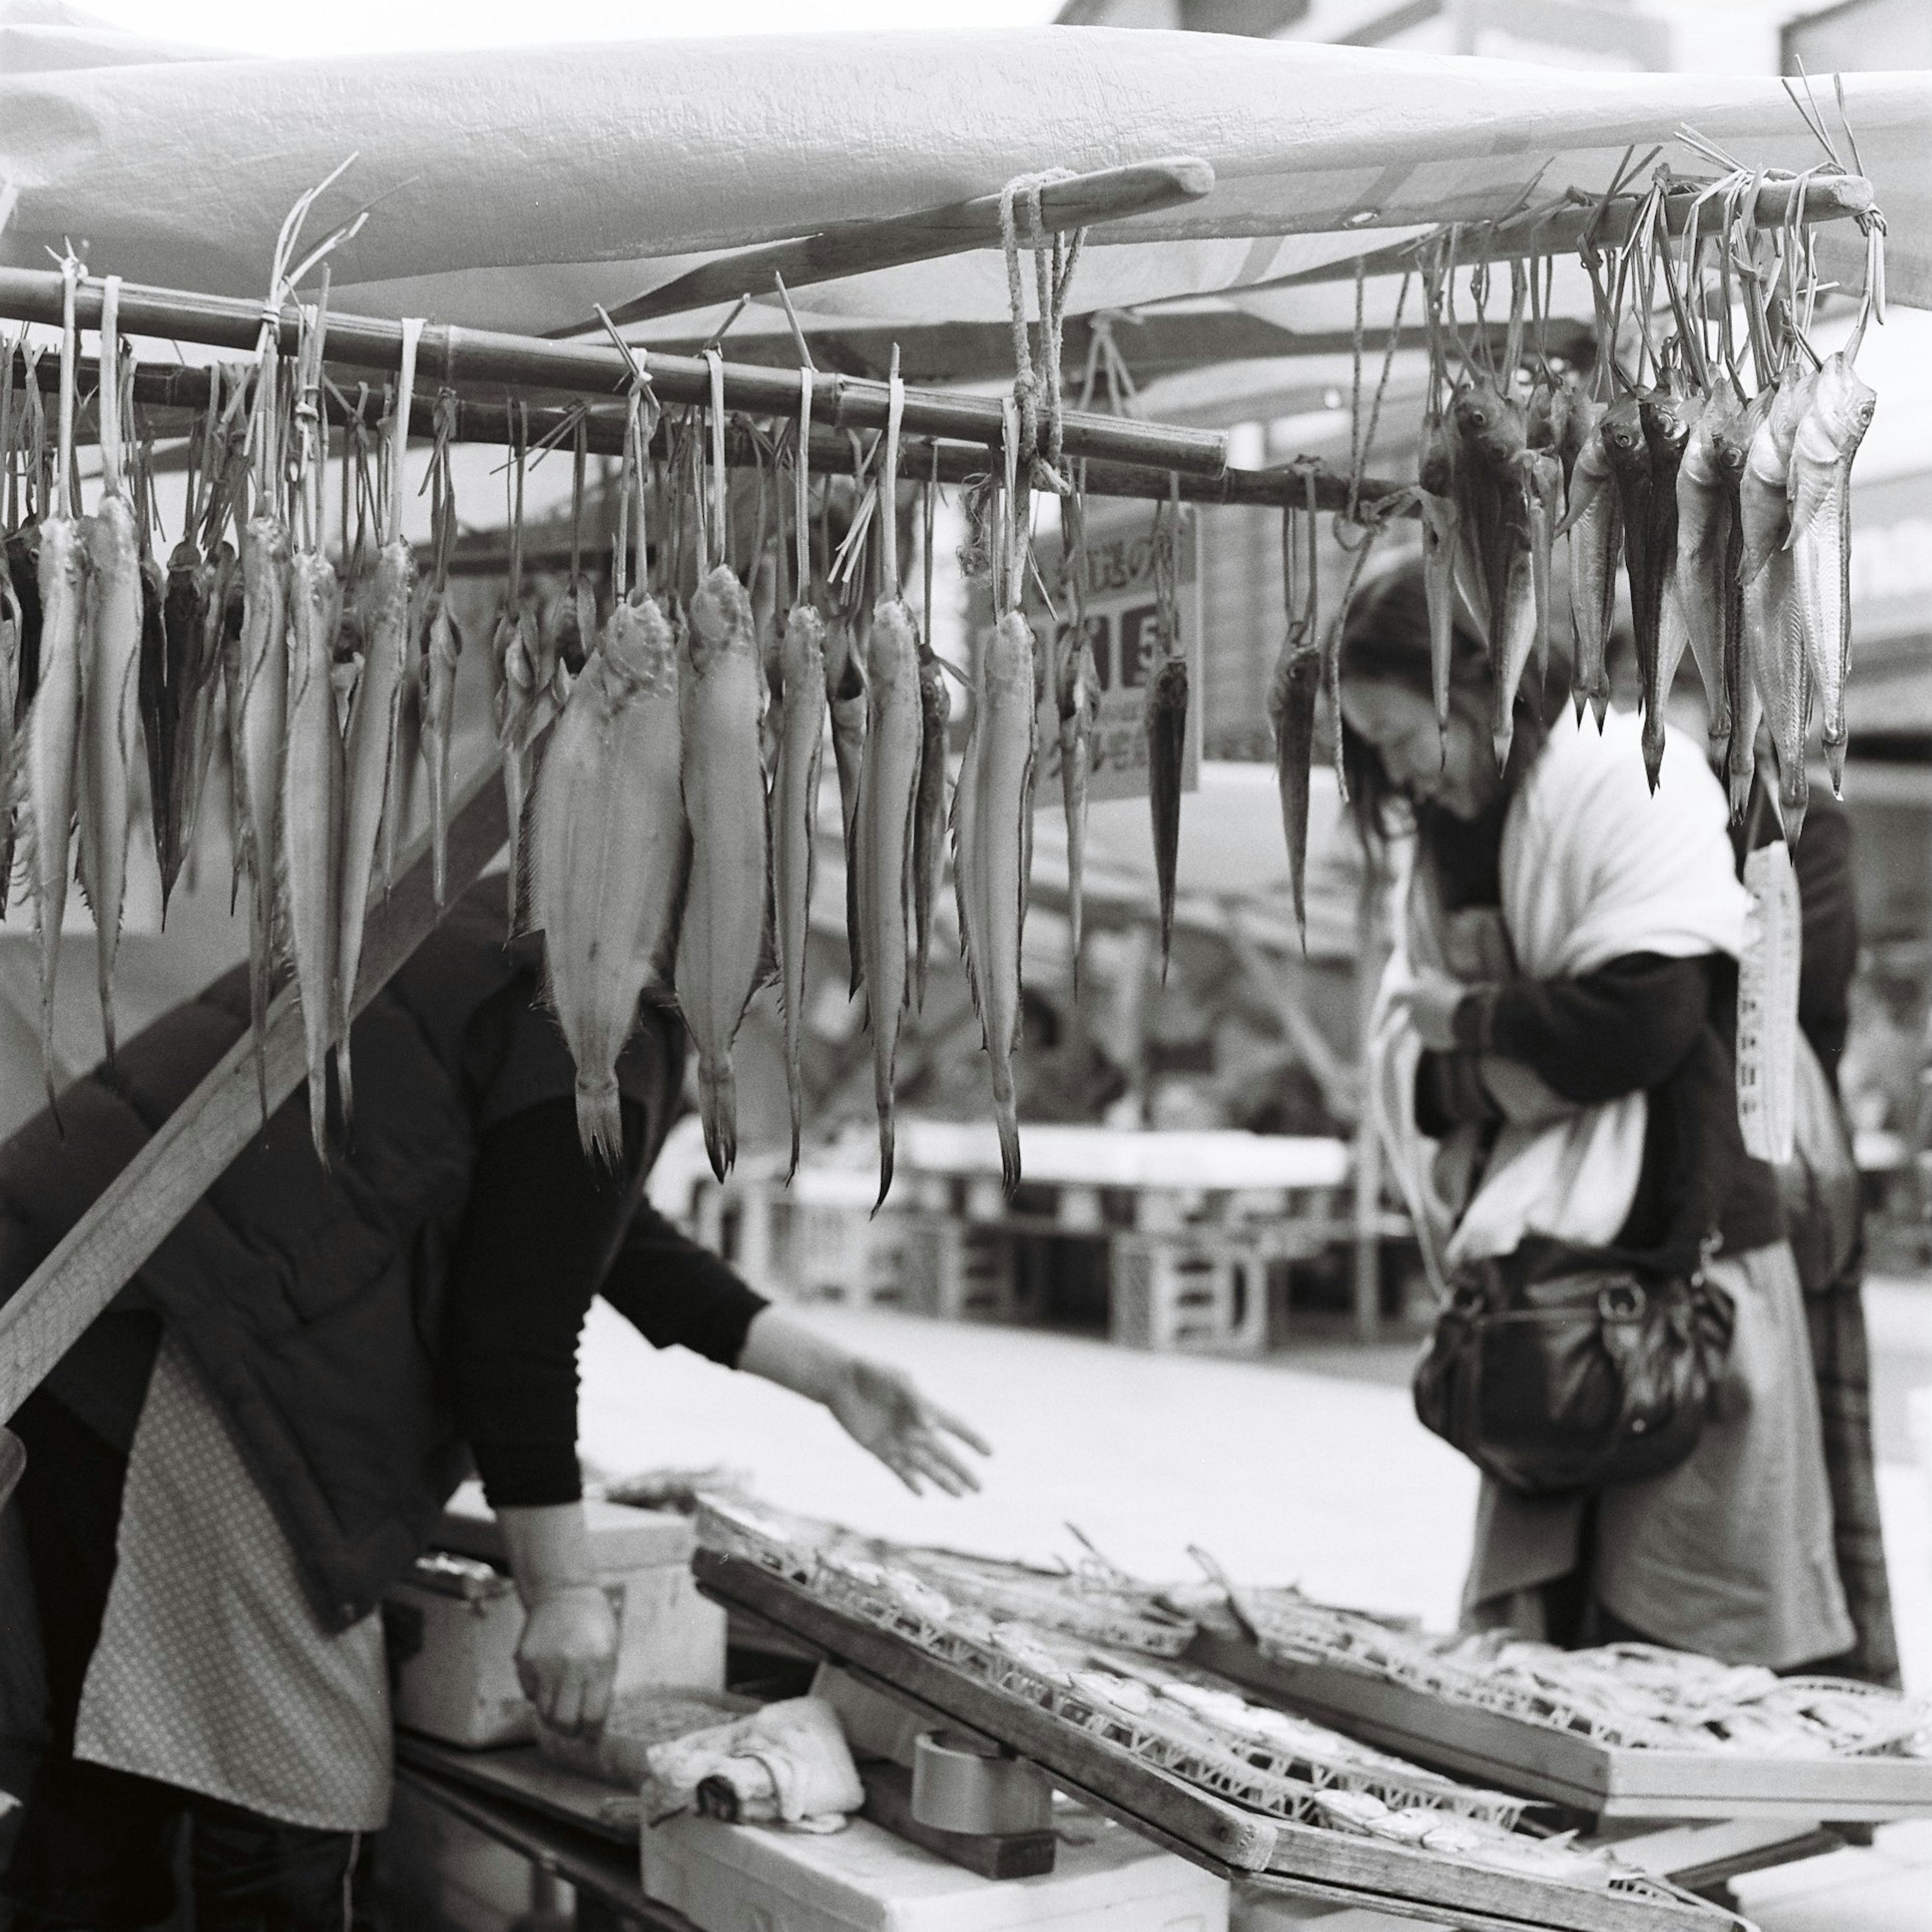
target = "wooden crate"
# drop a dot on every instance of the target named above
(1514, 1754)
(958, 1270)
(1223, 1837)
(1202, 1289)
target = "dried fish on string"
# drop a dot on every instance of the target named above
(1164, 717)
(1077, 693)
(110, 696)
(513, 657)
(371, 801)
(1292, 696)
(722, 944)
(992, 812)
(928, 837)
(888, 793)
(442, 646)
(44, 769)
(794, 807)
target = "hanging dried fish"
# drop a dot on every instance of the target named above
(929, 838)
(1292, 695)
(722, 944)
(110, 695)
(1077, 690)
(1773, 655)
(1820, 539)
(992, 811)
(1666, 420)
(184, 626)
(1706, 479)
(370, 801)
(513, 660)
(888, 792)
(1165, 721)
(1593, 521)
(845, 642)
(608, 854)
(441, 647)
(43, 775)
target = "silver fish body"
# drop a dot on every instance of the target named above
(44, 782)
(1440, 521)
(1764, 505)
(443, 646)
(1774, 658)
(721, 943)
(311, 824)
(888, 799)
(369, 784)
(1293, 691)
(845, 686)
(1594, 518)
(260, 732)
(1820, 538)
(801, 753)
(1513, 644)
(607, 855)
(992, 806)
(1077, 691)
(929, 836)
(1704, 583)
(110, 728)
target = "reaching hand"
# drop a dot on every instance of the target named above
(882, 1411)
(567, 1657)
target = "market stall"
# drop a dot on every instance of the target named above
(773, 344)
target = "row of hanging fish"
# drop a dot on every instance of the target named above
(1715, 472)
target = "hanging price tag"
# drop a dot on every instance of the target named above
(1768, 1005)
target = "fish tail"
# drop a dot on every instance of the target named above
(345, 1084)
(797, 1125)
(717, 1105)
(1835, 759)
(318, 1105)
(1006, 1113)
(885, 1155)
(1503, 736)
(104, 980)
(1653, 744)
(600, 1120)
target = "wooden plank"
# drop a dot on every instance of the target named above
(1206, 1829)
(112, 1240)
(1516, 1755)
(1201, 1828)
(860, 247)
(520, 1774)
(994, 1855)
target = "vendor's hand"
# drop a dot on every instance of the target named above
(878, 1406)
(881, 1410)
(1430, 1002)
(567, 1658)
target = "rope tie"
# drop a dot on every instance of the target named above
(1036, 374)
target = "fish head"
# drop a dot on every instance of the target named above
(1789, 403)
(1667, 424)
(1623, 439)
(1436, 470)
(1478, 410)
(802, 651)
(720, 621)
(1008, 668)
(1842, 404)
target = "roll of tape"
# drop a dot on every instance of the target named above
(959, 1785)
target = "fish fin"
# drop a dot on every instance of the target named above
(600, 1120)
(1812, 485)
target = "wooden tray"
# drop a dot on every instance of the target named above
(521, 1774)
(1514, 1754)
(1207, 1830)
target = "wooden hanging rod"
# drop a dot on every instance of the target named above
(483, 357)
(479, 420)
(860, 247)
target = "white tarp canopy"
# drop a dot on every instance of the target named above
(517, 187)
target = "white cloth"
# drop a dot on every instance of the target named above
(211, 1671)
(1594, 868)
(787, 1764)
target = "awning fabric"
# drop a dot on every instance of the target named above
(517, 187)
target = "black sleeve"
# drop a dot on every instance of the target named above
(1821, 860)
(540, 1222)
(1450, 1093)
(1620, 1030)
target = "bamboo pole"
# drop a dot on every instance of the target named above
(488, 357)
(862, 247)
(482, 421)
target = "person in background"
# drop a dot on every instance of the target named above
(236, 1461)
(1630, 911)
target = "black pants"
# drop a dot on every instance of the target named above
(97, 1853)
(95, 1849)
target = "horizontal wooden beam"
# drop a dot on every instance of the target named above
(862, 247)
(487, 359)
(144, 1203)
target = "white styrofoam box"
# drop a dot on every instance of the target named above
(453, 1635)
(751, 1878)
(668, 1634)
(622, 1537)
(1279, 1911)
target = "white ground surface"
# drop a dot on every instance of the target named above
(1285, 1472)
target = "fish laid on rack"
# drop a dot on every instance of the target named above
(928, 832)
(311, 851)
(1593, 521)
(608, 854)
(992, 809)
(794, 829)
(44, 760)
(1829, 432)
(442, 646)
(258, 730)
(721, 947)
(845, 686)
(883, 854)
(110, 726)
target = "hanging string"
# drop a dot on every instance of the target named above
(803, 482)
(1036, 374)
(720, 481)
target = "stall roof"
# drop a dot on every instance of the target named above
(517, 187)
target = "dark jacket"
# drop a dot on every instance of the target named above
(311, 1302)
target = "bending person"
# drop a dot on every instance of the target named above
(237, 1460)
